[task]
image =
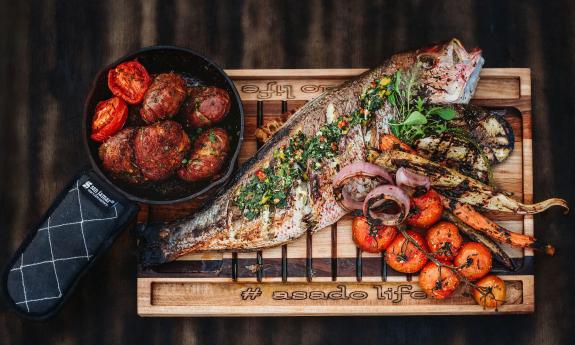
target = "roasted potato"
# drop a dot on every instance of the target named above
(163, 98)
(209, 154)
(206, 106)
(160, 149)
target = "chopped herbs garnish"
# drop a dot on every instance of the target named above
(212, 136)
(270, 187)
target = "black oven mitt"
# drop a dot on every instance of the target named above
(83, 221)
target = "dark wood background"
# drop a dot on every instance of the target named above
(50, 50)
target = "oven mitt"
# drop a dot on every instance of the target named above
(83, 221)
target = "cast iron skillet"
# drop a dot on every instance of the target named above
(196, 69)
(93, 209)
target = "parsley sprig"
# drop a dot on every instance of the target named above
(415, 119)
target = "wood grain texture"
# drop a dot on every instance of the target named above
(200, 288)
(50, 51)
(182, 297)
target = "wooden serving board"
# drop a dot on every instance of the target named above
(324, 273)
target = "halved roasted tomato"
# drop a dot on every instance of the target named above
(129, 81)
(109, 117)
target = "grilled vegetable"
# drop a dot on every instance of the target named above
(425, 210)
(475, 235)
(455, 152)
(473, 261)
(437, 282)
(391, 142)
(403, 256)
(264, 133)
(444, 240)
(488, 128)
(109, 117)
(461, 188)
(129, 81)
(491, 292)
(481, 223)
(372, 238)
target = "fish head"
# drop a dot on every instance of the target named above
(449, 72)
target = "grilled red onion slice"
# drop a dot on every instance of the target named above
(360, 169)
(349, 203)
(405, 177)
(386, 197)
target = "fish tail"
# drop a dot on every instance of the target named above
(151, 244)
(163, 242)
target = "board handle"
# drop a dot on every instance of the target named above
(80, 225)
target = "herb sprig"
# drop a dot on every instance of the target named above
(415, 119)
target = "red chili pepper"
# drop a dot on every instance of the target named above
(342, 124)
(261, 175)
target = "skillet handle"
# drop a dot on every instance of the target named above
(80, 225)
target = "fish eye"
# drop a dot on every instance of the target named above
(427, 61)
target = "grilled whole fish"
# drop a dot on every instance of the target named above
(457, 153)
(447, 73)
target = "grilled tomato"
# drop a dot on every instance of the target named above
(372, 238)
(129, 81)
(492, 293)
(403, 256)
(437, 282)
(444, 240)
(474, 260)
(425, 210)
(109, 117)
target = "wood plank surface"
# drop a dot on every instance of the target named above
(203, 284)
(50, 51)
(182, 297)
